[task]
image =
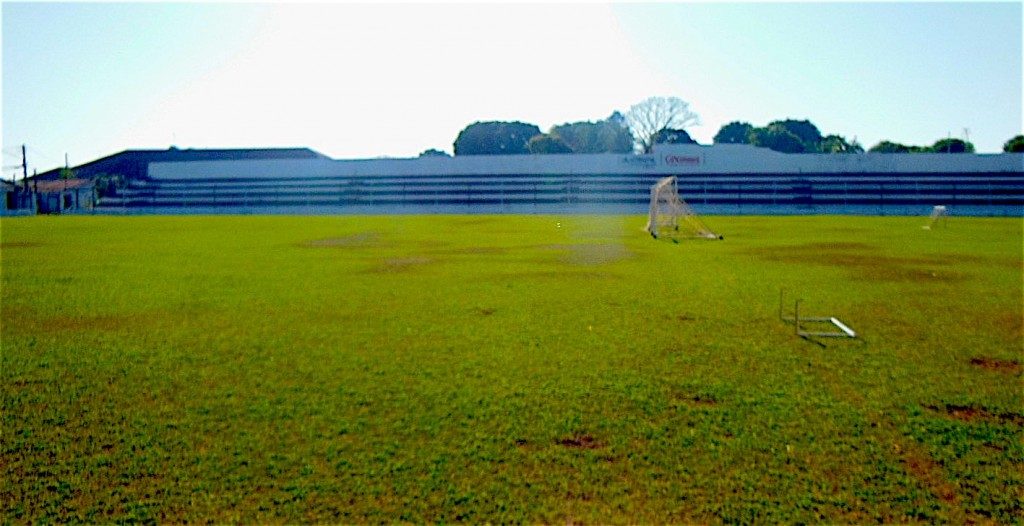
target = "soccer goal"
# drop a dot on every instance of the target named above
(939, 213)
(670, 217)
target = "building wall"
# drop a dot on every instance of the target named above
(667, 159)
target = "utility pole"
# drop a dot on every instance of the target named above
(24, 168)
(66, 173)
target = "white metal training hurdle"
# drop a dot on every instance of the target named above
(846, 331)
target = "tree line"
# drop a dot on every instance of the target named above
(658, 120)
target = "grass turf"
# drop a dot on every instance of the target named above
(508, 368)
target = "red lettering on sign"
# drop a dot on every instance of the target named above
(682, 160)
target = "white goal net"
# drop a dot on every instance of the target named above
(939, 213)
(670, 216)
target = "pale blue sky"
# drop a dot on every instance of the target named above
(357, 80)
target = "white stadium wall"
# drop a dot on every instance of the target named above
(666, 159)
(720, 179)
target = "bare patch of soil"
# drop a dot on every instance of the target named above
(401, 264)
(94, 323)
(598, 254)
(1012, 324)
(838, 245)
(863, 261)
(930, 473)
(555, 274)
(969, 413)
(580, 442)
(19, 244)
(702, 400)
(698, 400)
(590, 253)
(485, 311)
(473, 251)
(995, 364)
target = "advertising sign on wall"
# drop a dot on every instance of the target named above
(681, 160)
(642, 161)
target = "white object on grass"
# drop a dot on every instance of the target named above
(939, 212)
(847, 332)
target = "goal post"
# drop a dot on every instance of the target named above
(939, 213)
(671, 217)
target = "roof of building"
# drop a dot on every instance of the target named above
(61, 185)
(133, 164)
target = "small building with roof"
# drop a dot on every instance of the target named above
(64, 196)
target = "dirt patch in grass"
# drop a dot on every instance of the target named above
(589, 253)
(105, 322)
(995, 364)
(929, 472)
(700, 401)
(973, 414)
(360, 240)
(695, 400)
(485, 311)
(473, 251)
(580, 442)
(400, 264)
(19, 244)
(1011, 324)
(554, 274)
(863, 262)
(837, 245)
(598, 254)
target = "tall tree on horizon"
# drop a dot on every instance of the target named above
(495, 138)
(652, 115)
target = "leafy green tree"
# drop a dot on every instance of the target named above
(547, 144)
(1014, 145)
(889, 147)
(734, 133)
(108, 184)
(673, 136)
(952, 146)
(66, 174)
(434, 153)
(777, 138)
(838, 144)
(895, 147)
(652, 115)
(610, 135)
(615, 136)
(807, 132)
(495, 138)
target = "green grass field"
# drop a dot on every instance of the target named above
(508, 369)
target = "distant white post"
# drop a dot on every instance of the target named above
(939, 212)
